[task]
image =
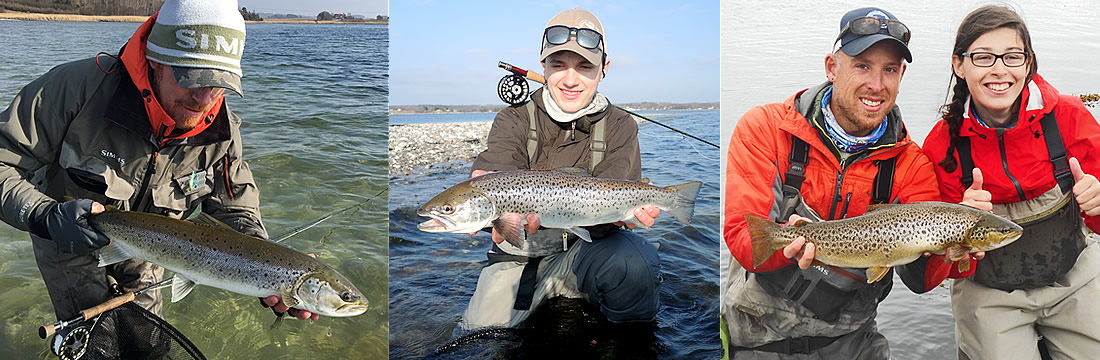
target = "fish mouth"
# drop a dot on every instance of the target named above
(436, 224)
(352, 309)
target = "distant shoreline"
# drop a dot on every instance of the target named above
(441, 112)
(13, 15)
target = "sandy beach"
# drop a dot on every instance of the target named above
(420, 148)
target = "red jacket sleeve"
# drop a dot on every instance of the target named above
(1081, 135)
(753, 160)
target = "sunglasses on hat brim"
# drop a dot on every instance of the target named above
(560, 34)
(869, 25)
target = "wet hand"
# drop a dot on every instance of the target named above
(646, 215)
(1086, 189)
(975, 197)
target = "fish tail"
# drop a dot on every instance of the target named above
(683, 205)
(761, 230)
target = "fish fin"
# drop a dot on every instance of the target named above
(800, 222)
(582, 233)
(964, 265)
(112, 254)
(278, 320)
(181, 286)
(634, 221)
(575, 170)
(290, 301)
(873, 207)
(683, 207)
(110, 208)
(510, 227)
(956, 253)
(760, 229)
(206, 219)
(876, 273)
(68, 198)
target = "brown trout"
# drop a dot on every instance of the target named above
(561, 200)
(212, 253)
(889, 235)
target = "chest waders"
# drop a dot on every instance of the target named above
(1052, 239)
(824, 290)
(528, 279)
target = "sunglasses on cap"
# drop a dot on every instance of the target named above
(559, 34)
(869, 25)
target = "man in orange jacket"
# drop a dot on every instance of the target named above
(826, 153)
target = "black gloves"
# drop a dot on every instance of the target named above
(67, 224)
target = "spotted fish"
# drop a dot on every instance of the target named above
(211, 253)
(561, 199)
(889, 235)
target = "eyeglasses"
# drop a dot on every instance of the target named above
(559, 34)
(868, 25)
(987, 59)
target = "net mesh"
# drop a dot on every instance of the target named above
(130, 332)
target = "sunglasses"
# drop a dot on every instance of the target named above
(868, 25)
(559, 34)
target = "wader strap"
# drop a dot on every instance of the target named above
(800, 156)
(532, 133)
(597, 145)
(883, 181)
(526, 292)
(1057, 150)
(966, 162)
(799, 345)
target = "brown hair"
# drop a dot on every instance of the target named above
(977, 23)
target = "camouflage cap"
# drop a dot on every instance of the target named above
(195, 77)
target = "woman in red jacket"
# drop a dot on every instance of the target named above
(1011, 144)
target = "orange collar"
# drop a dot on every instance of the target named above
(133, 59)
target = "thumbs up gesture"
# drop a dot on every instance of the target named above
(977, 198)
(1086, 189)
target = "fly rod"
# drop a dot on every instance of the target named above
(514, 96)
(89, 313)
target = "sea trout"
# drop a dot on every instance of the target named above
(561, 200)
(889, 235)
(211, 253)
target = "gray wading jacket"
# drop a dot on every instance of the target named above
(79, 131)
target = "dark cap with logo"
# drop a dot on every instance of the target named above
(854, 44)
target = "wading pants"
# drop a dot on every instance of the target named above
(76, 282)
(996, 324)
(618, 273)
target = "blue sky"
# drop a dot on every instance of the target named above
(369, 8)
(446, 52)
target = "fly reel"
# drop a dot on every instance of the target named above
(71, 346)
(513, 89)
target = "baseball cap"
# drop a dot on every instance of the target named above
(854, 43)
(580, 19)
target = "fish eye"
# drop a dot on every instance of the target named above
(447, 208)
(348, 296)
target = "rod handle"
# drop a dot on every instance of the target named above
(108, 305)
(536, 77)
(46, 330)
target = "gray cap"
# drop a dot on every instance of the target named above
(580, 19)
(853, 44)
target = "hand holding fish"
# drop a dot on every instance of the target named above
(975, 197)
(646, 215)
(277, 304)
(805, 256)
(1086, 189)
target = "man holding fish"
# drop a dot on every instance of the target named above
(828, 153)
(147, 130)
(567, 123)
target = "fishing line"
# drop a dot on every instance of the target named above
(684, 139)
(669, 127)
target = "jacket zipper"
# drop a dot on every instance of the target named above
(1004, 164)
(836, 194)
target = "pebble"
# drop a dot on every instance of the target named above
(422, 148)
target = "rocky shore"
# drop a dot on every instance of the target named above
(419, 148)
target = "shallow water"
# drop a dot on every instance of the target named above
(766, 58)
(433, 275)
(315, 137)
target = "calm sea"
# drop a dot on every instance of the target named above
(772, 49)
(315, 137)
(433, 275)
